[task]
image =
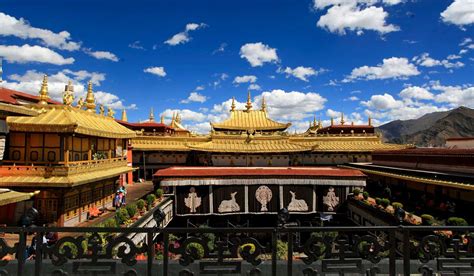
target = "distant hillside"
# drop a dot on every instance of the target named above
(431, 129)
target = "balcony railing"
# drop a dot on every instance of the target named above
(62, 168)
(244, 251)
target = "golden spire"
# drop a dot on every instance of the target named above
(370, 121)
(332, 121)
(43, 94)
(90, 100)
(162, 119)
(249, 102)
(68, 95)
(152, 116)
(342, 118)
(264, 105)
(314, 121)
(320, 123)
(232, 106)
(124, 115)
(173, 119)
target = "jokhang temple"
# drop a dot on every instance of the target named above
(72, 159)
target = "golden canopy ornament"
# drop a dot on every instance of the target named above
(68, 95)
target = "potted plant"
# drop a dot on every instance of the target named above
(141, 206)
(132, 210)
(150, 199)
(356, 192)
(427, 219)
(365, 195)
(159, 193)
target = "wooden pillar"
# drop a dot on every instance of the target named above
(66, 157)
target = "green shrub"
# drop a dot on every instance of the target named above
(356, 191)
(378, 201)
(150, 199)
(110, 223)
(121, 215)
(455, 221)
(140, 204)
(132, 209)
(365, 195)
(384, 202)
(282, 250)
(427, 219)
(71, 248)
(159, 193)
(397, 205)
(196, 249)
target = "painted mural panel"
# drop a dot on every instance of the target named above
(192, 200)
(298, 198)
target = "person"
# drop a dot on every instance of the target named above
(31, 250)
(123, 190)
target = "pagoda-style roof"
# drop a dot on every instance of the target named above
(249, 120)
(68, 119)
(20, 98)
(249, 144)
(360, 143)
(11, 109)
(8, 196)
(165, 143)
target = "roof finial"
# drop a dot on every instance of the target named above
(173, 119)
(152, 116)
(249, 102)
(43, 94)
(101, 109)
(124, 115)
(332, 121)
(68, 96)
(320, 123)
(232, 106)
(314, 121)
(162, 120)
(370, 120)
(90, 100)
(342, 118)
(110, 112)
(264, 105)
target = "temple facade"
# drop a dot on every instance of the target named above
(250, 138)
(71, 155)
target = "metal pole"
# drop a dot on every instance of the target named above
(274, 252)
(150, 252)
(406, 251)
(290, 254)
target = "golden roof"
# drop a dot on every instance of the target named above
(244, 144)
(249, 120)
(346, 143)
(17, 109)
(426, 180)
(164, 143)
(67, 119)
(8, 196)
(71, 180)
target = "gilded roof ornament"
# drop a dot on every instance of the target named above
(332, 121)
(264, 105)
(124, 115)
(68, 95)
(249, 102)
(110, 112)
(370, 121)
(101, 109)
(342, 119)
(90, 100)
(43, 94)
(162, 119)
(152, 116)
(80, 103)
(232, 106)
(314, 121)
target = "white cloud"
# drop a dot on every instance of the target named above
(258, 53)
(220, 49)
(353, 98)
(159, 71)
(183, 37)
(354, 15)
(30, 82)
(383, 102)
(454, 95)
(195, 97)
(427, 61)
(10, 26)
(137, 45)
(254, 86)
(300, 72)
(186, 115)
(27, 53)
(292, 105)
(416, 92)
(245, 79)
(102, 55)
(391, 68)
(460, 12)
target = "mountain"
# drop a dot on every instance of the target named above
(431, 129)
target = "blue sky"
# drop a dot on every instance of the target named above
(390, 59)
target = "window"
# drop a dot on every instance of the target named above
(51, 156)
(34, 156)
